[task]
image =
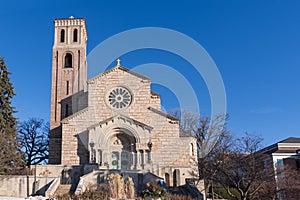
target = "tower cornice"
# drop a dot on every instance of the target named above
(69, 21)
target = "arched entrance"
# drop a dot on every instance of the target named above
(115, 147)
(121, 150)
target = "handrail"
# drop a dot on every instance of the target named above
(193, 189)
(80, 187)
(52, 188)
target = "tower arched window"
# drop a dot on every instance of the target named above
(68, 61)
(75, 35)
(62, 35)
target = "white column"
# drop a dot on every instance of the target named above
(105, 157)
(142, 159)
(138, 160)
(133, 161)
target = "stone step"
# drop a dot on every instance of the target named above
(63, 189)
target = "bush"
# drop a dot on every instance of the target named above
(154, 190)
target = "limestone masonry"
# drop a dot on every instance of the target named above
(117, 123)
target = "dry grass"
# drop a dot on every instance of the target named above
(99, 195)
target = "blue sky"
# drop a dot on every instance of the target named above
(255, 45)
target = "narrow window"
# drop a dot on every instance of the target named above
(68, 60)
(67, 88)
(167, 179)
(192, 149)
(279, 162)
(67, 110)
(62, 35)
(75, 35)
(176, 177)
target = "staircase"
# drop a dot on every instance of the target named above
(189, 189)
(63, 189)
(180, 190)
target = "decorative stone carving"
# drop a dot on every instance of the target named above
(119, 97)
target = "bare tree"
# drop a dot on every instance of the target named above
(285, 183)
(213, 141)
(289, 184)
(242, 169)
(189, 121)
(33, 139)
(234, 163)
(206, 130)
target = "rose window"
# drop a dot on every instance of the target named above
(119, 98)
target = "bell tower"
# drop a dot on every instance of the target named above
(69, 76)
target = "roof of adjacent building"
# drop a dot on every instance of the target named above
(291, 140)
(285, 151)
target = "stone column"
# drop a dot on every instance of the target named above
(142, 159)
(138, 159)
(105, 157)
(99, 157)
(148, 160)
(95, 156)
(133, 161)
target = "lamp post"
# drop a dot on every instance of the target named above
(150, 145)
(92, 144)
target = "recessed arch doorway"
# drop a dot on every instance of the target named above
(121, 149)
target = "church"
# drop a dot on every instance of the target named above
(113, 120)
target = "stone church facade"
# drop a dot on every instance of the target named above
(117, 123)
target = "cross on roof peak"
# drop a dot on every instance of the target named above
(118, 62)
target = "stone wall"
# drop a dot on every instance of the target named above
(168, 148)
(23, 186)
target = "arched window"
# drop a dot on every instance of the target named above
(68, 61)
(176, 177)
(75, 35)
(62, 35)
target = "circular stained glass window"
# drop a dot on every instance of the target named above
(119, 98)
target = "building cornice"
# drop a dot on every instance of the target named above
(125, 119)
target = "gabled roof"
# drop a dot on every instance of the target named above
(154, 94)
(173, 119)
(119, 67)
(65, 120)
